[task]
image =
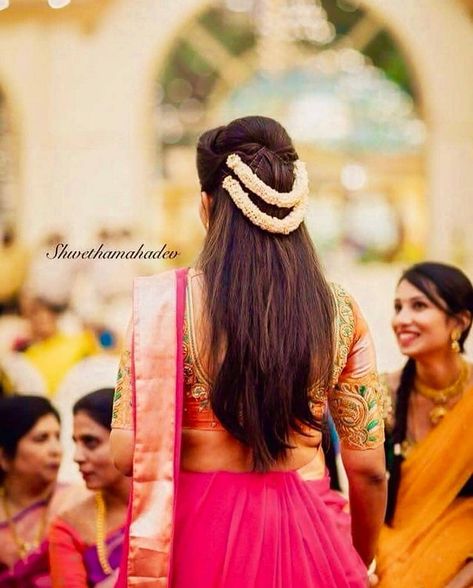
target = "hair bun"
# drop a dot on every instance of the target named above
(253, 138)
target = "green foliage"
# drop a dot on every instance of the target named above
(232, 30)
(385, 55)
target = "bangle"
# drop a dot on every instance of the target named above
(372, 567)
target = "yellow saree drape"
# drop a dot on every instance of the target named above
(432, 532)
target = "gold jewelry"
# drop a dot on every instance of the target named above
(100, 533)
(441, 397)
(24, 547)
(455, 337)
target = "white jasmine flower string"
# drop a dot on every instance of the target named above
(281, 199)
(262, 220)
(297, 198)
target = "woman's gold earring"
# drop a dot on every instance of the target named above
(455, 336)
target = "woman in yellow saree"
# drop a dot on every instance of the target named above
(428, 539)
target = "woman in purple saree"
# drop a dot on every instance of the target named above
(224, 386)
(30, 455)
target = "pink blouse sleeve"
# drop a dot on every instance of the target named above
(65, 557)
(122, 415)
(356, 400)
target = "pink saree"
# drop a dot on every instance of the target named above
(33, 571)
(216, 529)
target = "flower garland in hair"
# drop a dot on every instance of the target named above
(281, 199)
(298, 198)
(259, 218)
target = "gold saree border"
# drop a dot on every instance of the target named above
(155, 365)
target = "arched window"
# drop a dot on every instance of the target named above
(333, 76)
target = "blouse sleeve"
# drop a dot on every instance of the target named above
(65, 557)
(356, 400)
(122, 414)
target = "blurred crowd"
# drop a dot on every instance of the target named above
(62, 321)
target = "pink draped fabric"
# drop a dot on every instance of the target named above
(157, 375)
(226, 530)
(272, 530)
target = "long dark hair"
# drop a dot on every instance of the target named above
(268, 304)
(450, 290)
(98, 405)
(18, 415)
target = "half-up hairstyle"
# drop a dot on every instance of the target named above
(451, 291)
(269, 308)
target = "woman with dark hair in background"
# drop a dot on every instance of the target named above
(30, 456)
(236, 364)
(428, 540)
(86, 540)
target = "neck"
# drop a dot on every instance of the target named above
(439, 371)
(44, 336)
(116, 496)
(22, 493)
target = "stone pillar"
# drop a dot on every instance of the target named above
(437, 39)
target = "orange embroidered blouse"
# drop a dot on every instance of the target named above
(355, 400)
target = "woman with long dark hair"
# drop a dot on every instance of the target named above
(85, 542)
(428, 538)
(223, 389)
(30, 456)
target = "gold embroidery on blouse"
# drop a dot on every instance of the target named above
(344, 330)
(122, 399)
(344, 333)
(196, 388)
(357, 410)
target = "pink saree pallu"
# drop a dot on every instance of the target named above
(215, 529)
(157, 392)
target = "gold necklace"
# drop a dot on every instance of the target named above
(24, 547)
(100, 536)
(441, 397)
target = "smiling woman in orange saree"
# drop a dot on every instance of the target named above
(428, 542)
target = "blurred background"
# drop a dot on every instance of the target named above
(101, 102)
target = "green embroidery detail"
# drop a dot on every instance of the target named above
(121, 412)
(357, 410)
(372, 425)
(344, 329)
